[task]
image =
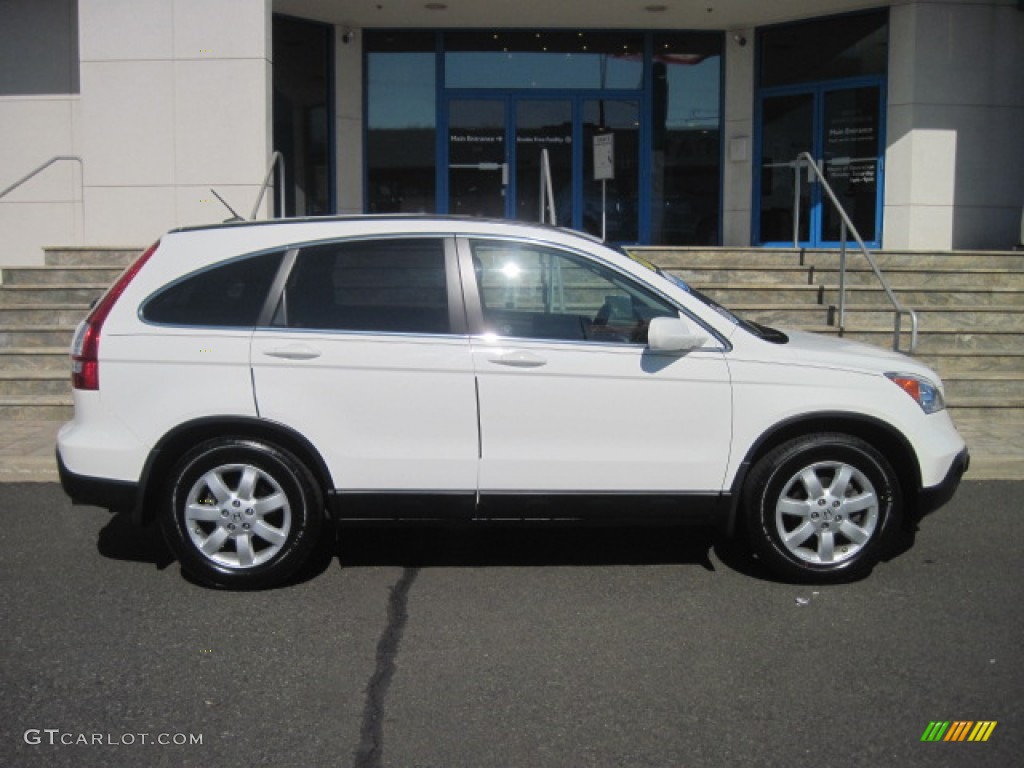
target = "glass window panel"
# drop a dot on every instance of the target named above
(401, 123)
(786, 130)
(387, 286)
(231, 295)
(619, 202)
(825, 49)
(540, 293)
(686, 130)
(543, 59)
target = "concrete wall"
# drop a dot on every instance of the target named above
(39, 110)
(955, 158)
(175, 99)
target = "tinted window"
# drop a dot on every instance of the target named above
(532, 292)
(230, 295)
(392, 286)
(825, 49)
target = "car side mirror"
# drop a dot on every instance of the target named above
(673, 334)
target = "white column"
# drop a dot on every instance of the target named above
(737, 170)
(954, 158)
(348, 99)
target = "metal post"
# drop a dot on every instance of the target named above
(842, 276)
(796, 203)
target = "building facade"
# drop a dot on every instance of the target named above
(656, 123)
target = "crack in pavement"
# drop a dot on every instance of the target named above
(370, 752)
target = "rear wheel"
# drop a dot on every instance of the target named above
(241, 514)
(822, 508)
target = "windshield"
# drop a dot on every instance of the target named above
(761, 331)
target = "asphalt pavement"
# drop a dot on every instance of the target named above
(518, 648)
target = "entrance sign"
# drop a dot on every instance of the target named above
(604, 156)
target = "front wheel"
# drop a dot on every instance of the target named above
(241, 514)
(822, 508)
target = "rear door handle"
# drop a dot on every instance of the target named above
(293, 352)
(518, 358)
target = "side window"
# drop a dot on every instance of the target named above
(533, 292)
(230, 295)
(388, 286)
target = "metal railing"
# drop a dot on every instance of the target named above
(42, 167)
(276, 159)
(804, 160)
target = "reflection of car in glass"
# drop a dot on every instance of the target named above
(246, 385)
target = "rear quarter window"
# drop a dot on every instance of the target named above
(229, 295)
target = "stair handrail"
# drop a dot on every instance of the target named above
(276, 159)
(847, 227)
(42, 167)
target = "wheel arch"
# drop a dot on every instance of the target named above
(885, 438)
(173, 445)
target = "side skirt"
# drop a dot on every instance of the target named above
(585, 507)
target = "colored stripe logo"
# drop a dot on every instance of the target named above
(959, 730)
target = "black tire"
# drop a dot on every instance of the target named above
(241, 514)
(822, 508)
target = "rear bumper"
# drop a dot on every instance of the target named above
(97, 491)
(930, 499)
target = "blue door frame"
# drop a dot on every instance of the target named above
(815, 213)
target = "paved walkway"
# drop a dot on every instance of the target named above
(996, 444)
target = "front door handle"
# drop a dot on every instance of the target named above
(518, 358)
(294, 352)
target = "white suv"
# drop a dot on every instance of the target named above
(245, 384)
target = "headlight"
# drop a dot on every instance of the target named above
(924, 392)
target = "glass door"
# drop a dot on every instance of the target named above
(496, 150)
(841, 128)
(544, 128)
(477, 158)
(851, 151)
(787, 129)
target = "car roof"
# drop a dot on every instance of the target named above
(418, 222)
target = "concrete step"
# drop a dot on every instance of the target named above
(971, 361)
(785, 315)
(738, 294)
(42, 314)
(759, 275)
(36, 335)
(985, 407)
(36, 408)
(41, 383)
(22, 295)
(693, 258)
(902, 278)
(918, 298)
(993, 385)
(45, 276)
(35, 359)
(117, 256)
(934, 342)
(979, 318)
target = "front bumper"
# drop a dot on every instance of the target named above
(930, 499)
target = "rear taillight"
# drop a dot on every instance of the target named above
(85, 349)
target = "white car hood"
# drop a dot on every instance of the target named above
(823, 351)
